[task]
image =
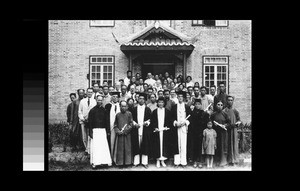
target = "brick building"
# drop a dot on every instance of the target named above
(87, 51)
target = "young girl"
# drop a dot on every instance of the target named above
(209, 144)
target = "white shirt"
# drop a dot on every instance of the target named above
(126, 81)
(161, 117)
(140, 117)
(113, 113)
(150, 82)
(190, 84)
(84, 109)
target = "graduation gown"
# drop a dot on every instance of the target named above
(174, 132)
(107, 112)
(198, 120)
(122, 152)
(144, 149)
(168, 151)
(222, 136)
(233, 151)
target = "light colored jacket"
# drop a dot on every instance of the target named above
(84, 109)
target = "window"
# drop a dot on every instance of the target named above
(101, 69)
(197, 22)
(102, 23)
(219, 23)
(215, 70)
(166, 22)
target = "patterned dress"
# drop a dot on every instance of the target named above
(209, 141)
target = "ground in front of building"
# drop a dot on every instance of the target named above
(78, 161)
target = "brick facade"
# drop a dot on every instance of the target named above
(72, 42)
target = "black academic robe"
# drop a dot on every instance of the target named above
(174, 132)
(167, 143)
(69, 108)
(198, 122)
(107, 112)
(97, 119)
(145, 144)
(222, 97)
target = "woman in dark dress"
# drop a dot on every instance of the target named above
(199, 120)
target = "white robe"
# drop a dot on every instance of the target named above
(181, 158)
(99, 148)
(161, 121)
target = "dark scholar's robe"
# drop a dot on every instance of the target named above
(167, 150)
(222, 136)
(233, 151)
(198, 119)
(146, 142)
(97, 119)
(122, 152)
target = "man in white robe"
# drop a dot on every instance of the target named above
(111, 110)
(181, 111)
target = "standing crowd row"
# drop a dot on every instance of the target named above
(132, 123)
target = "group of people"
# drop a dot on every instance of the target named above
(136, 121)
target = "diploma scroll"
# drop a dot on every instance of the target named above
(164, 129)
(220, 125)
(123, 128)
(208, 107)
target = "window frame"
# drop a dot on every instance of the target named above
(93, 24)
(101, 64)
(216, 25)
(215, 64)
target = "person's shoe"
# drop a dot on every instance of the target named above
(93, 166)
(145, 166)
(163, 163)
(176, 166)
(195, 165)
(157, 164)
(135, 166)
(183, 166)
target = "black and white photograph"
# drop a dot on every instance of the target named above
(149, 95)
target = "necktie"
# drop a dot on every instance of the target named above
(115, 108)
(88, 101)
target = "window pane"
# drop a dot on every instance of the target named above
(93, 59)
(206, 77)
(98, 59)
(104, 76)
(206, 83)
(212, 68)
(104, 59)
(93, 76)
(224, 76)
(219, 77)
(93, 68)
(109, 59)
(212, 76)
(98, 69)
(109, 82)
(109, 75)
(109, 68)
(218, 68)
(206, 68)
(211, 82)
(98, 81)
(104, 68)
(98, 75)
(223, 68)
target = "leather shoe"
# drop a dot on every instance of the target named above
(146, 166)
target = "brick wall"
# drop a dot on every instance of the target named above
(71, 43)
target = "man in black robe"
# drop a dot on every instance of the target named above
(75, 131)
(140, 134)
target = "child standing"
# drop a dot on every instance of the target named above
(209, 144)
